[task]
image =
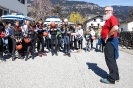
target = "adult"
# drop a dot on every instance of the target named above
(66, 34)
(2, 28)
(109, 35)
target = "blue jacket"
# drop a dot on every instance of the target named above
(114, 42)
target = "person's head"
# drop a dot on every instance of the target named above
(33, 23)
(99, 27)
(16, 23)
(91, 28)
(40, 21)
(27, 22)
(79, 26)
(108, 12)
(48, 25)
(9, 24)
(65, 21)
(0, 19)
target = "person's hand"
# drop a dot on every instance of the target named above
(16, 40)
(35, 30)
(20, 40)
(68, 32)
(44, 28)
(106, 38)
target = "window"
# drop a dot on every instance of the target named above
(5, 12)
(94, 20)
(22, 1)
(101, 20)
(1, 12)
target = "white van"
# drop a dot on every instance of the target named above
(52, 19)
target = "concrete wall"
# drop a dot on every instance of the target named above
(14, 5)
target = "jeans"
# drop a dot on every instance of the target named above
(66, 44)
(5, 41)
(1, 48)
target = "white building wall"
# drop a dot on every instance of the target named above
(123, 26)
(14, 5)
(130, 26)
(98, 21)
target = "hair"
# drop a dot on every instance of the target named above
(110, 7)
(16, 21)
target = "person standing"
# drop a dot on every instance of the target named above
(17, 38)
(31, 36)
(53, 32)
(2, 29)
(92, 32)
(48, 38)
(66, 32)
(40, 40)
(109, 35)
(5, 39)
(99, 40)
(80, 37)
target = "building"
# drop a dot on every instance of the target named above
(95, 22)
(13, 6)
(126, 25)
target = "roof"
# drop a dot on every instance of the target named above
(16, 17)
(127, 20)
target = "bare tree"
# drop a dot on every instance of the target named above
(40, 9)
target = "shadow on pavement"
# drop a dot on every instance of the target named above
(97, 70)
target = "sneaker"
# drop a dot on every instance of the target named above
(40, 55)
(65, 54)
(20, 57)
(2, 59)
(13, 59)
(26, 59)
(44, 54)
(56, 54)
(106, 81)
(52, 54)
(117, 80)
(69, 55)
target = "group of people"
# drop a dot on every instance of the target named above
(23, 39)
(31, 36)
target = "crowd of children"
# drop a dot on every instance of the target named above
(35, 36)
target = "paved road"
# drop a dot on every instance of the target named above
(81, 70)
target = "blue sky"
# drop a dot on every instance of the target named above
(110, 2)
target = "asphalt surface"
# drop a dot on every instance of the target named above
(81, 70)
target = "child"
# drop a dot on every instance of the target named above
(6, 38)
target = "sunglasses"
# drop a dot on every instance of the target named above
(107, 10)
